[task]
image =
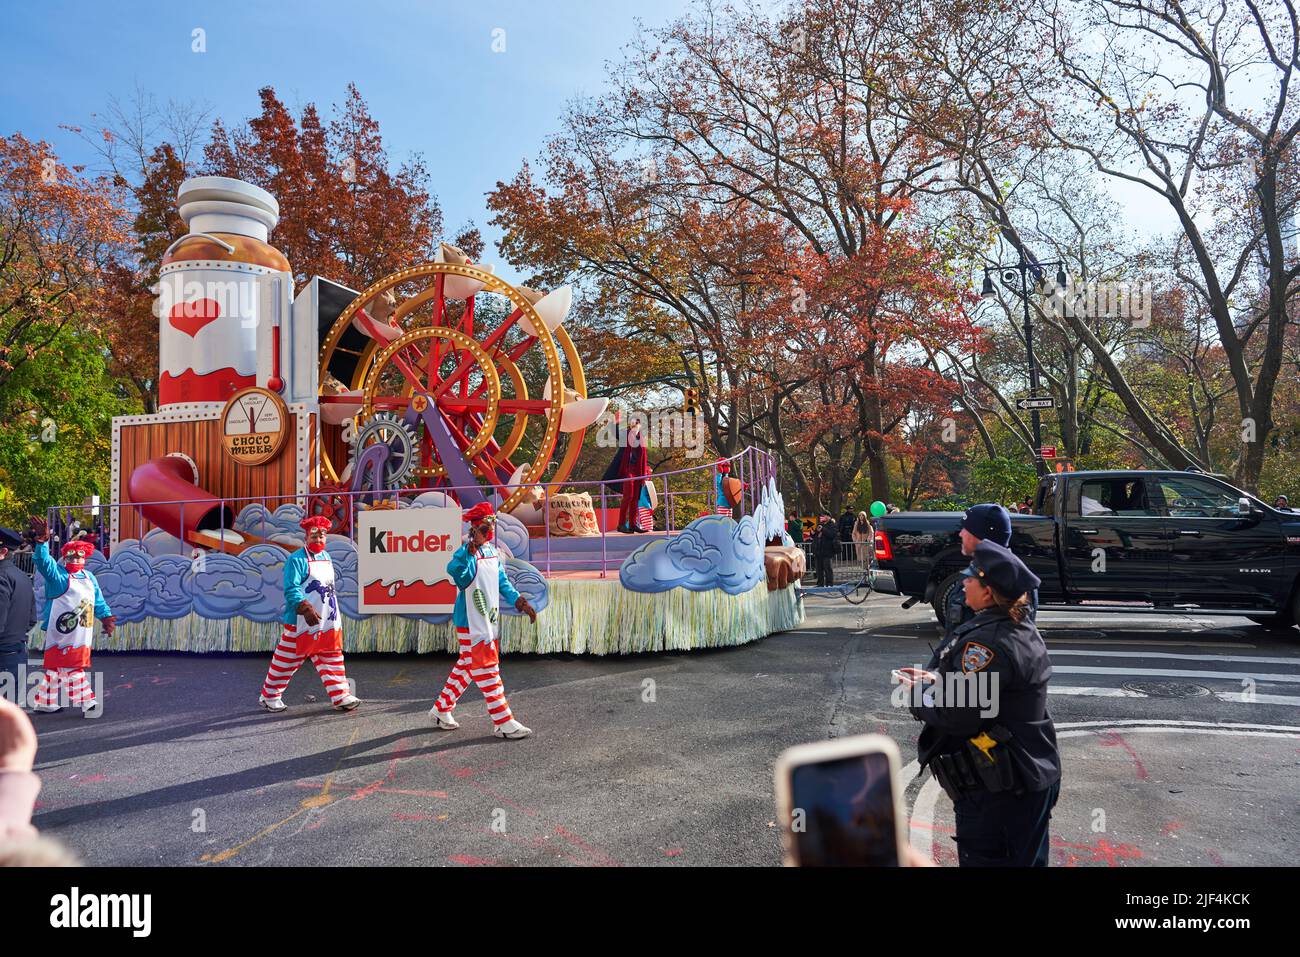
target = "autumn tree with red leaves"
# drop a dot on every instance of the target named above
(748, 212)
(345, 212)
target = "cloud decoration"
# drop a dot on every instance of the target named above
(124, 581)
(169, 587)
(513, 534)
(158, 542)
(433, 498)
(528, 581)
(256, 520)
(228, 586)
(711, 552)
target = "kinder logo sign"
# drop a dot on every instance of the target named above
(402, 557)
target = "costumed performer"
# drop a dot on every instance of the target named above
(480, 577)
(72, 603)
(313, 627)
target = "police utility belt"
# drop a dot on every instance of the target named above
(981, 765)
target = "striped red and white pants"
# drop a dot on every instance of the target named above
(74, 679)
(285, 662)
(481, 664)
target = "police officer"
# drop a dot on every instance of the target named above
(988, 738)
(17, 612)
(990, 522)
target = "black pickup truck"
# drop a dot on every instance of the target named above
(1107, 540)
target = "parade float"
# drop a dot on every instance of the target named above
(388, 411)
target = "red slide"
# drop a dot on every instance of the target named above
(168, 482)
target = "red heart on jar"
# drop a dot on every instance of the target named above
(190, 317)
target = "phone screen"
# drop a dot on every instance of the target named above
(847, 817)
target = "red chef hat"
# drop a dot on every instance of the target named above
(479, 512)
(314, 521)
(78, 550)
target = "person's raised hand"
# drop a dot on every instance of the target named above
(17, 738)
(39, 528)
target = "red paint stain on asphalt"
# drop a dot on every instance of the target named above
(399, 816)
(470, 861)
(601, 857)
(1112, 739)
(672, 851)
(1215, 858)
(1172, 828)
(941, 828)
(1101, 852)
(537, 844)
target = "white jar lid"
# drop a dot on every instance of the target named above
(222, 204)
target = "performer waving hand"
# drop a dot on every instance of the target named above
(313, 627)
(480, 575)
(72, 603)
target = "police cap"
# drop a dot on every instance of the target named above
(999, 569)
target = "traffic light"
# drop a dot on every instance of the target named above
(691, 402)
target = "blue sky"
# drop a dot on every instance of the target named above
(427, 71)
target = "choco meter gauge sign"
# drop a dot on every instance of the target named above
(402, 557)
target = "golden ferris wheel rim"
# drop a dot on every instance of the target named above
(544, 336)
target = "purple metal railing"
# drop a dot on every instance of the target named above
(758, 469)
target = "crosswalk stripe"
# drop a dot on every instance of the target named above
(1089, 653)
(1174, 673)
(1229, 697)
(1095, 692)
(1153, 643)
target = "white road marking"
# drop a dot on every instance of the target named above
(1245, 697)
(1146, 644)
(1230, 697)
(1111, 723)
(1097, 692)
(1174, 673)
(1087, 653)
(921, 820)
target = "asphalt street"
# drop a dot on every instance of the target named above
(1180, 739)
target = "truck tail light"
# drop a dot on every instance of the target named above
(884, 551)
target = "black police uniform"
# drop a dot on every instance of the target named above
(17, 615)
(1003, 772)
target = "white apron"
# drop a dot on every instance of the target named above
(318, 590)
(72, 625)
(482, 597)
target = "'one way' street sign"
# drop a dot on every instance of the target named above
(1036, 402)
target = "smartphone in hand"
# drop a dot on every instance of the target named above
(841, 805)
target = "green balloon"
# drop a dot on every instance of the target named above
(877, 509)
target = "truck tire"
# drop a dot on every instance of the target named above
(940, 600)
(1287, 616)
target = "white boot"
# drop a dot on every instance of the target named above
(347, 703)
(47, 708)
(272, 704)
(443, 720)
(511, 729)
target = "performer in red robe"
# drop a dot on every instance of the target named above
(634, 466)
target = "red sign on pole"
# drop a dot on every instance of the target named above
(1047, 452)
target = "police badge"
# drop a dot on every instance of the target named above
(975, 657)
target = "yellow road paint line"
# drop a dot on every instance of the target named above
(307, 804)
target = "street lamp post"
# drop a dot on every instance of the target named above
(1016, 278)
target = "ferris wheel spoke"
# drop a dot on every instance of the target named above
(492, 343)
